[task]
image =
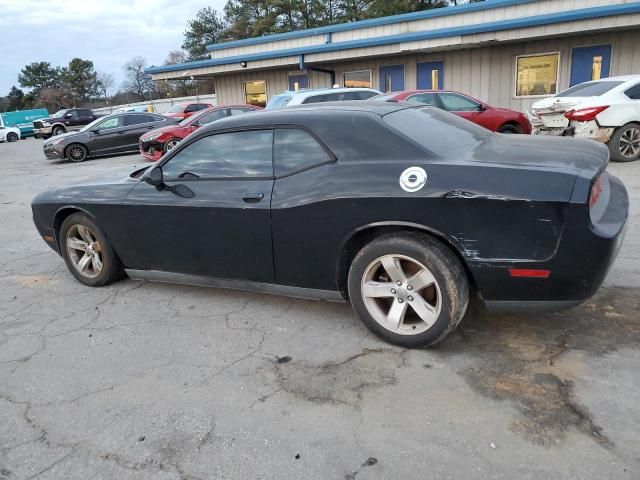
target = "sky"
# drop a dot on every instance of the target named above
(108, 32)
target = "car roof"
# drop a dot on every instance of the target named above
(308, 92)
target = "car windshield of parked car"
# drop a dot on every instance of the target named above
(86, 128)
(224, 155)
(439, 132)
(176, 109)
(279, 101)
(590, 89)
(59, 113)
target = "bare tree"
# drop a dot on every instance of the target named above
(138, 82)
(105, 83)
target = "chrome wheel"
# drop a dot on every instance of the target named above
(401, 294)
(629, 143)
(76, 153)
(57, 131)
(84, 251)
(172, 144)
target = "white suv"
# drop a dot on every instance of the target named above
(9, 134)
(304, 97)
(606, 110)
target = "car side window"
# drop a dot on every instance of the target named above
(634, 92)
(240, 111)
(109, 123)
(316, 99)
(85, 113)
(202, 106)
(246, 154)
(453, 102)
(137, 119)
(211, 117)
(295, 150)
(423, 99)
(191, 108)
(73, 114)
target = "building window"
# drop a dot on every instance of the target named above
(357, 79)
(537, 74)
(255, 93)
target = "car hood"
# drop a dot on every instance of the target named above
(63, 136)
(173, 128)
(583, 157)
(558, 104)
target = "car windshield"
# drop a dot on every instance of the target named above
(440, 132)
(176, 109)
(279, 101)
(60, 113)
(86, 128)
(590, 89)
(189, 120)
(382, 98)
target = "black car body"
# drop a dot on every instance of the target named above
(63, 121)
(111, 134)
(524, 221)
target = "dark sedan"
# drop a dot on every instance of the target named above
(354, 201)
(113, 134)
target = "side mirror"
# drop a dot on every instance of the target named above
(154, 177)
(68, 115)
(96, 131)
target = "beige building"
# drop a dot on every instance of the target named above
(508, 53)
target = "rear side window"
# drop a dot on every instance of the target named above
(633, 93)
(211, 117)
(439, 132)
(138, 119)
(296, 150)
(424, 99)
(590, 89)
(320, 99)
(225, 155)
(452, 102)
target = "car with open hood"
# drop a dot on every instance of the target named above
(354, 201)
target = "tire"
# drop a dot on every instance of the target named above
(443, 300)
(509, 129)
(57, 131)
(12, 137)
(76, 153)
(78, 230)
(170, 144)
(624, 144)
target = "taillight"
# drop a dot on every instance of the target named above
(599, 197)
(585, 114)
(596, 190)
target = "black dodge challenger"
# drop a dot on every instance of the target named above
(403, 210)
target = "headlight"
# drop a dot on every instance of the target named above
(151, 137)
(56, 141)
(46, 124)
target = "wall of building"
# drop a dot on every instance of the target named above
(487, 73)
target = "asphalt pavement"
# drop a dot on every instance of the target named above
(156, 381)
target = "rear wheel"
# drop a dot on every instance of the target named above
(170, 144)
(508, 129)
(409, 289)
(57, 131)
(12, 137)
(76, 152)
(624, 145)
(87, 252)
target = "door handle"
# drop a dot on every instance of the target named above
(252, 197)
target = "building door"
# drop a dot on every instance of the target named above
(431, 76)
(298, 82)
(392, 78)
(590, 63)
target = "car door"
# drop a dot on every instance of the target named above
(135, 126)
(424, 98)
(463, 106)
(212, 217)
(105, 136)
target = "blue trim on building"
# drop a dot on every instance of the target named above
(545, 19)
(374, 22)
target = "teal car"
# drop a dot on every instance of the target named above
(23, 120)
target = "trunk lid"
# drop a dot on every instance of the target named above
(550, 111)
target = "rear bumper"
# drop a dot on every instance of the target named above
(577, 269)
(590, 130)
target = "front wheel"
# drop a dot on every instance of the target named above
(409, 289)
(170, 144)
(12, 137)
(624, 145)
(57, 131)
(76, 152)
(87, 252)
(509, 129)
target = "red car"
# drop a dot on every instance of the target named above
(156, 143)
(184, 110)
(496, 119)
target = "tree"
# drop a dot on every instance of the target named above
(205, 29)
(39, 75)
(138, 82)
(80, 79)
(105, 82)
(15, 98)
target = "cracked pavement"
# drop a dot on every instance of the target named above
(141, 380)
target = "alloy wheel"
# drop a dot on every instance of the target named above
(76, 153)
(629, 143)
(171, 144)
(84, 251)
(401, 294)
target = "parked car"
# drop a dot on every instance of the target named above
(115, 133)
(353, 201)
(22, 120)
(157, 142)
(63, 121)
(8, 134)
(184, 110)
(606, 110)
(321, 95)
(496, 119)
(136, 108)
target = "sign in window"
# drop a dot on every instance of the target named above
(256, 93)
(358, 79)
(537, 75)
